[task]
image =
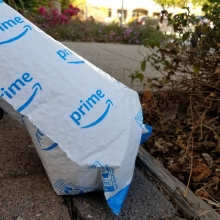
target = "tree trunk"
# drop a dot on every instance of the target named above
(56, 5)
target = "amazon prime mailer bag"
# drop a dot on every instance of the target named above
(85, 125)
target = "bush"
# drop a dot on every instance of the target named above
(92, 31)
(49, 17)
(186, 113)
(180, 56)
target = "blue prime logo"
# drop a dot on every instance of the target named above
(11, 23)
(39, 135)
(87, 105)
(64, 54)
(17, 86)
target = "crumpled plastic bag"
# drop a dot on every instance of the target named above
(85, 125)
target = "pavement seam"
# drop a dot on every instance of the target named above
(117, 54)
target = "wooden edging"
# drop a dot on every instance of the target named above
(191, 205)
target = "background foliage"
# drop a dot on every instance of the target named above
(180, 3)
(184, 108)
(33, 5)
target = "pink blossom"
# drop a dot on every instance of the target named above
(66, 11)
(63, 17)
(55, 12)
(52, 17)
(42, 10)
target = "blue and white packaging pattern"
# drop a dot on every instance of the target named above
(85, 125)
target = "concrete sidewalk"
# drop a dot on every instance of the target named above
(117, 60)
(27, 194)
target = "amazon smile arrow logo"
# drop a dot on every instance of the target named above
(40, 136)
(10, 24)
(65, 53)
(88, 105)
(36, 87)
(109, 102)
(11, 90)
(26, 27)
(54, 145)
(76, 62)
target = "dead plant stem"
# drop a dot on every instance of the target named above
(212, 210)
(158, 112)
(190, 174)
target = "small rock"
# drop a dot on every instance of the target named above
(32, 205)
(19, 218)
(38, 215)
(31, 145)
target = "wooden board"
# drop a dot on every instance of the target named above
(190, 205)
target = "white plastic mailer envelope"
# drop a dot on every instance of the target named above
(85, 125)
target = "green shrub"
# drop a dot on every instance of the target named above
(91, 31)
(194, 52)
(186, 117)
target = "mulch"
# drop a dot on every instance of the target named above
(186, 138)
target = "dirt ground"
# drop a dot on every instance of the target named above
(25, 190)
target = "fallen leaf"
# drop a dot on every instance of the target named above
(147, 95)
(212, 94)
(208, 159)
(178, 131)
(196, 160)
(175, 168)
(218, 140)
(170, 112)
(181, 111)
(201, 172)
(144, 106)
(160, 144)
(202, 193)
(179, 143)
(217, 70)
(181, 176)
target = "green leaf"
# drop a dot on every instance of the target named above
(166, 81)
(205, 7)
(185, 36)
(196, 69)
(167, 63)
(149, 80)
(184, 22)
(143, 65)
(132, 77)
(141, 77)
(137, 75)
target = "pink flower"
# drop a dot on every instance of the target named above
(42, 10)
(52, 18)
(63, 18)
(66, 11)
(72, 12)
(55, 12)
